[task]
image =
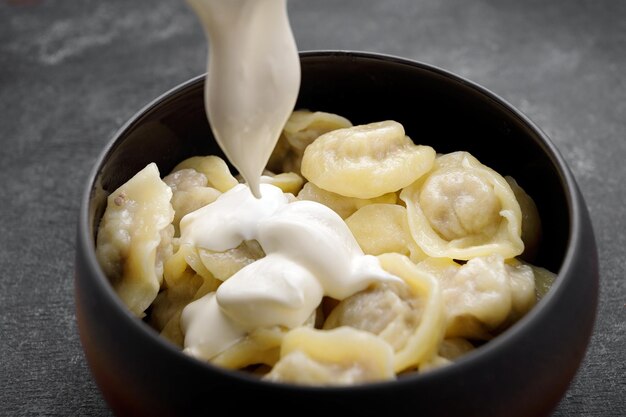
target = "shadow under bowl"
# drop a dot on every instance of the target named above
(523, 372)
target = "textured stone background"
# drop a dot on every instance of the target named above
(71, 72)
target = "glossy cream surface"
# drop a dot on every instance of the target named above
(310, 253)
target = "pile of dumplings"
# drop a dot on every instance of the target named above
(450, 227)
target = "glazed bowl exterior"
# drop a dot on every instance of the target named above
(523, 372)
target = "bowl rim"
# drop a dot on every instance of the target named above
(574, 201)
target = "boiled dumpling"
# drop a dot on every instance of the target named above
(384, 228)
(214, 168)
(136, 223)
(223, 265)
(185, 280)
(302, 128)
(241, 348)
(449, 350)
(168, 305)
(483, 295)
(454, 348)
(462, 209)
(186, 257)
(409, 317)
(280, 156)
(531, 222)
(342, 356)
(261, 346)
(343, 206)
(288, 182)
(366, 161)
(522, 282)
(134, 235)
(544, 279)
(189, 192)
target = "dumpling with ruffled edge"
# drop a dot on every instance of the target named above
(185, 279)
(165, 311)
(213, 167)
(384, 228)
(342, 205)
(189, 192)
(366, 161)
(342, 356)
(531, 222)
(409, 317)
(301, 129)
(462, 209)
(288, 182)
(225, 264)
(134, 238)
(449, 351)
(483, 296)
(261, 346)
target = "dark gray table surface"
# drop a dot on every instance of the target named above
(71, 73)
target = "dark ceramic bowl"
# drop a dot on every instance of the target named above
(523, 372)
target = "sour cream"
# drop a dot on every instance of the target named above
(310, 253)
(253, 78)
(253, 82)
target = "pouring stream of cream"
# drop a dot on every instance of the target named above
(252, 86)
(253, 78)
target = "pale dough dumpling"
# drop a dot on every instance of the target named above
(449, 350)
(384, 228)
(366, 161)
(531, 222)
(342, 356)
(189, 192)
(168, 305)
(454, 348)
(261, 346)
(280, 156)
(134, 230)
(214, 169)
(288, 182)
(223, 265)
(302, 128)
(483, 295)
(186, 257)
(343, 206)
(462, 209)
(522, 280)
(408, 317)
(185, 280)
(544, 279)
